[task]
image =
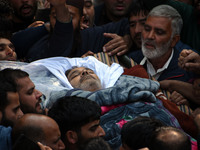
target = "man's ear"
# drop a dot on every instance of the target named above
(71, 137)
(175, 40)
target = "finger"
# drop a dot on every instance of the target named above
(110, 35)
(111, 47)
(182, 102)
(113, 41)
(117, 50)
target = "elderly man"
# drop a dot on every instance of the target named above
(160, 34)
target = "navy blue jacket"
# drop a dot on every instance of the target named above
(173, 72)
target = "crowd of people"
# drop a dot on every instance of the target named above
(125, 111)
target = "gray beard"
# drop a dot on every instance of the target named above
(90, 85)
(157, 52)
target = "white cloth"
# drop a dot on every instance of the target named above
(59, 65)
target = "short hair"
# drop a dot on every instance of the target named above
(138, 6)
(6, 27)
(137, 133)
(162, 139)
(69, 70)
(71, 113)
(171, 13)
(11, 75)
(97, 143)
(5, 87)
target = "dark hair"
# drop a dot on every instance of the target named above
(6, 27)
(11, 75)
(97, 143)
(138, 6)
(71, 113)
(5, 87)
(160, 141)
(69, 70)
(137, 133)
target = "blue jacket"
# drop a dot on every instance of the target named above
(36, 43)
(173, 72)
(5, 138)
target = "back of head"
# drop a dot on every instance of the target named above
(170, 138)
(11, 75)
(5, 9)
(71, 113)
(97, 143)
(5, 87)
(137, 133)
(171, 13)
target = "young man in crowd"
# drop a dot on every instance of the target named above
(78, 120)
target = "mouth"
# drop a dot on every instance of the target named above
(86, 21)
(149, 45)
(120, 7)
(26, 9)
(86, 77)
(11, 59)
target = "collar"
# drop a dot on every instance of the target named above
(150, 69)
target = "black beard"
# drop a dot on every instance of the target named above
(6, 122)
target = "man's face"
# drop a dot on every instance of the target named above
(156, 37)
(88, 13)
(84, 78)
(136, 26)
(118, 8)
(30, 98)
(7, 50)
(90, 130)
(12, 112)
(24, 9)
(53, 136)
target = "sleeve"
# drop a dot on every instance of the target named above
(24, 39)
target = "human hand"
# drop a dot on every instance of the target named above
(189, 61)
(82, 24)
(43, 147)
(89, 53)
(178, 99)
(118, 45)
(36, 24)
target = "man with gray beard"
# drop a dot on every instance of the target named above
(160, 35)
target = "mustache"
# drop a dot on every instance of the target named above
(86, 77)
(152, 42)
(25, 6)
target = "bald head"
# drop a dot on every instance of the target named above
(38, 128)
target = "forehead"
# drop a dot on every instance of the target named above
(4, 41)
(80, 69)
(159, 22)
(24, 82)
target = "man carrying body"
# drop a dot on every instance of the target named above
(9, 111)
(78, 119)
(30, 98)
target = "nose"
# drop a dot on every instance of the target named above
(84, 72)
(38, 94)
(151, 35)
(19, 114)
(138, 28)
(101, 132)
(61, 145)
(9, 51)
(84, 11)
